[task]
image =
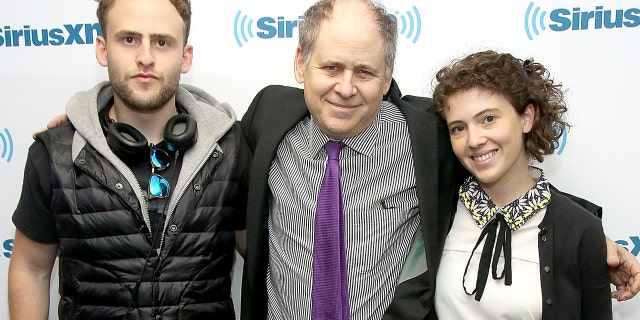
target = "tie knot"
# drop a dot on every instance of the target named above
(333, 149)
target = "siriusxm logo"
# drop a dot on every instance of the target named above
(69, 34)
(246, 28)
(7, 145)
(563, 19)
(268, 27)
(633, 246)
(7, 245)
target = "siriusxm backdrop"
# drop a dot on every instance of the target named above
(47, 54)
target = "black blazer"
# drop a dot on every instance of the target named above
(277, 109)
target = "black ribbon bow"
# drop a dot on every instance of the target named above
(497, 227)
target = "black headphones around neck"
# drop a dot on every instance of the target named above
(180, 133)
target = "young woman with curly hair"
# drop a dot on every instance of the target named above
(517, 248)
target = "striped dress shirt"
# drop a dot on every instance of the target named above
(380, 208)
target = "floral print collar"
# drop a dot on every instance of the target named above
(516, 213)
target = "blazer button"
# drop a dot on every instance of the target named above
(544, 238)
(547, 269)
(548, 301)
(197, 187)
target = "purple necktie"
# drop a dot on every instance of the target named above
(330, 293)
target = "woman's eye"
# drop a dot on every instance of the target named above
(490, 118)
(456, 129)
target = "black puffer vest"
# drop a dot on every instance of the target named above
(105, 245)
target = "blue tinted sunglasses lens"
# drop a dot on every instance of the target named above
(158, 186)
(159, 159)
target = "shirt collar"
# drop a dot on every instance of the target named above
(516, 213)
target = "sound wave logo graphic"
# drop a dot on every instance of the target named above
(410, 24)
(534, 19)
(562, 142)
(242, 28)
(7, 145)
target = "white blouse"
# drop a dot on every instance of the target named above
(521, 300)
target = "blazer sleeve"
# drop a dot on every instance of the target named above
(594, 275)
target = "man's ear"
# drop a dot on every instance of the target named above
(298, 66)
(388, 79)
(187, 58)
(101, 51)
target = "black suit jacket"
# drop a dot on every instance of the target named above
(274, 111)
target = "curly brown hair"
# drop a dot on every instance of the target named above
(182, 6)
(520, 82)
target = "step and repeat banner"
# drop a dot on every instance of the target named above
(591, 46)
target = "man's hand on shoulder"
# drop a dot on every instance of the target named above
(56, 121)
(625, 271)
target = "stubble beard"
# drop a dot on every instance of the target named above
(144, 104)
